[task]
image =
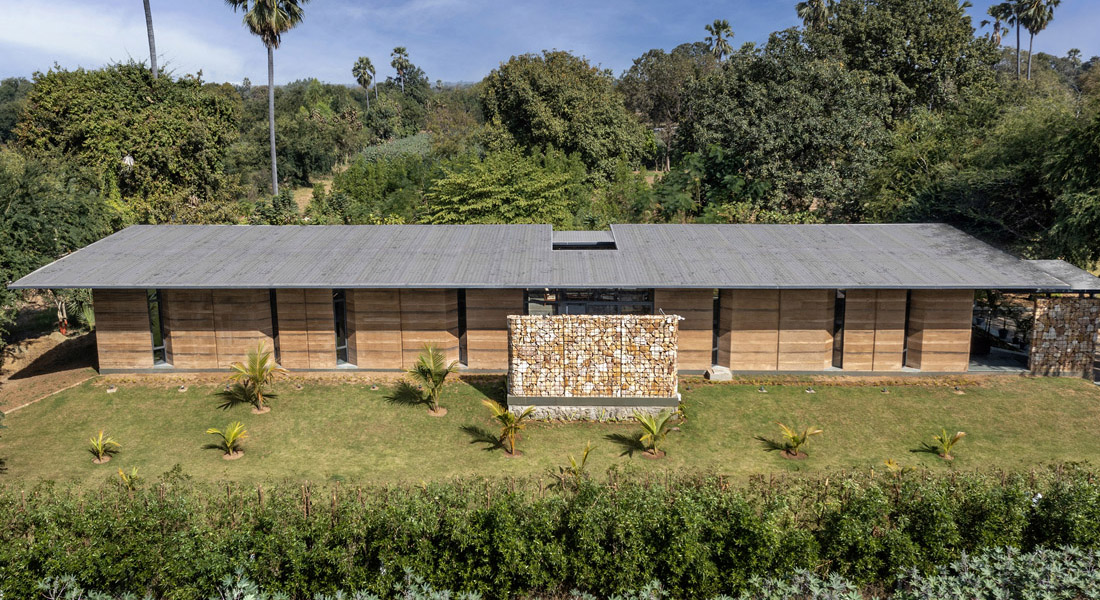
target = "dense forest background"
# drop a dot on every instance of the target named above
(873, 111)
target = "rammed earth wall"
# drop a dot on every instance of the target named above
(1063, 341)
(610, 364)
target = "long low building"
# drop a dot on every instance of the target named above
(857, 298)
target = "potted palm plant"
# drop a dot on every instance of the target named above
(510, 425)
(792, 443)
(430, 371)
(944, 444)
(654, 431)
(230, 440)
(252, 379)
(103, 448)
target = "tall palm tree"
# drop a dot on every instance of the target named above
(1014, 15)
(719, 38)
(1074, 56)
(363, 71)
(152, 43)
(1037, 16)
(269, 20)
(256, 375)
(400, 63)
(1000, 13)
(814, 13)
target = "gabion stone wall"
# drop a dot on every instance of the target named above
(1063, 341)
(594, 356)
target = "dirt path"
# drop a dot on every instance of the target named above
(43, 366)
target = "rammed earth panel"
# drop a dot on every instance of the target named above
(939, 330)
(696, 330)
(122, 329)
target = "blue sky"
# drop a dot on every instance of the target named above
(452, 40)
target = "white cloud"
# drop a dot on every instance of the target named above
(82, 34)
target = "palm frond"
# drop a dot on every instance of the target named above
(654, 428)
(510, 423)
(430, 371)
(103, 446)
(231, 437)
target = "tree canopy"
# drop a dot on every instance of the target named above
(157, 146)
(506, 187)
(808, 126)
(560, 100)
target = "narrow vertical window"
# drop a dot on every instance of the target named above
(156, 328)
(340, 314)
(715, 326)
(272, 299)
(905, 340)
(462, 352)
(838, 330)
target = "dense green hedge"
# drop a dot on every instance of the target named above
(701, 537)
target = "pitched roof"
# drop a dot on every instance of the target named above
(523, 256)
(1079, 280)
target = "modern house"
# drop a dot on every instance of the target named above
(855, 298)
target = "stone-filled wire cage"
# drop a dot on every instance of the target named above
(1063, 341)
(592, 366)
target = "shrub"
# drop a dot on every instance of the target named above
(129, 481)
(419, 144)
(1059, 574)
(698, 536)
(569, 475)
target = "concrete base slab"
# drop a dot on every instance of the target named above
(590, 409)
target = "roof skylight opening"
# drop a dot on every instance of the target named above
(584, 246)
(584, 240)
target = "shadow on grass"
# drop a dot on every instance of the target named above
(628, 443)
(480, 435)
(926, 448)
(406, 394)
(771, 445)
(238, 395)
(491, 386)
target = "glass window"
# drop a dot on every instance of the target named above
(273, 300)
(463, 354)
(838, 329)
(340, 314)
(715, 326)
(156, 328)
(590, 302)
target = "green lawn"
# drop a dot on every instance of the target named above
(346, 432)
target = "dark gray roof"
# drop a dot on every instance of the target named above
(513, 256)
(1079, 280)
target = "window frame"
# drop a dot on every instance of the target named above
(340, 324)
(155, 302)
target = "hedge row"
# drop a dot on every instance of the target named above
(700, 537)
(1002, 574)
